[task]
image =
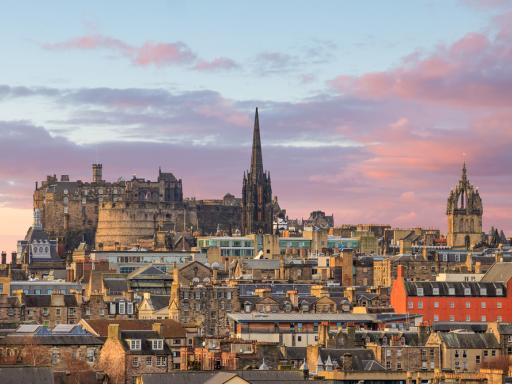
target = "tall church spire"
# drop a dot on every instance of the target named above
(256, 190)
(256, 157)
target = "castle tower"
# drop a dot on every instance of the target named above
(256, 191)
(464, 212)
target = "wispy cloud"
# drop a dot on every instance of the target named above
(150, 53)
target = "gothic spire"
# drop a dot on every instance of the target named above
(464, 172)
(256, 157)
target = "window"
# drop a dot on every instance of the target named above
(483, 291)
(161, 361)
(148, 360)
(451, 291)
(486, 352)
(452, 304)
(468, 318)
(483, 304)
(468, 304)
(410, 305)
(498, 305)
(435, 291)
(399, 366)
(493, 352)
(55, 357)
(436, 317)
(436, 304)
(499, 292)
(135, 361)
(420, 304)
(90, 355)
(135, 344)
(122, 307)
(57, 312)
(467, 291)
(388, 364)
(484, 318)
(419, 291)
(158, 345)
(499, 318)
(477, 359)
(299, 338)
(452, 318)
(129, 308)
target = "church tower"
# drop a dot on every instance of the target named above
(256, 191)
(464, 212)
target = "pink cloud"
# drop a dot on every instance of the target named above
(160, 54)
(474, 71)
(149, 53)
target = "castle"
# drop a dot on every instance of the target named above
(116, 215)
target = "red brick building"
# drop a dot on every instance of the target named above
(482, 301)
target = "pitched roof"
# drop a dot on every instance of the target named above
(469, 340)
(501, 272)
(145, 338)
(46, 300)
(170, 328)
(149, 271)
(26, 375)
(475, 288)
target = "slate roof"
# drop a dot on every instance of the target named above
(170, 328)
(26, 375)
(145, 343)
(261, 264)
(445, 326)
(160, 301)
(295, 353)
(50, 340)
(360, 357)
(469, 340)
(505, 329)
(412, 288)
(149, 271)
(46, 301)
(501, 272)
(115, 284)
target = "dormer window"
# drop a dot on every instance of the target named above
(451, 291)
(135, 344)
(483, 291)
(157, 345)
(435, 291)
(419, 291)
(467, 291)
(499, 292)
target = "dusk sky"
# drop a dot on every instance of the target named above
(367, 108)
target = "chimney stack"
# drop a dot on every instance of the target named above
(113, 331)
(4, 257)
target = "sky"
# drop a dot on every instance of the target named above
(367, 108)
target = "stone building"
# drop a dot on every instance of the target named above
(198, 300)
(464, 210)
(257, 216)
(127, 354)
